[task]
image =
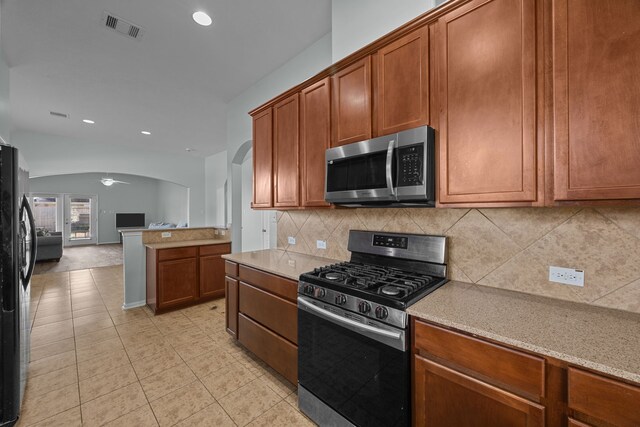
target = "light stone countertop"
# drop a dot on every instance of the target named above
(185, 243)
(599, 338)
(602, 339)
(287, 264)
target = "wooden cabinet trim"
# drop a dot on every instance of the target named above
(315, 139)
(534, 413)
(285, 288)
(602, 398)
(516, 371)
(384, 96)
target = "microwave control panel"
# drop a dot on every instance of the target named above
(411, 165)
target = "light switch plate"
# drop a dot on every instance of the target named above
(321, 244)
(166, 234)
(566, 276)
(223, 232)
(291, 240)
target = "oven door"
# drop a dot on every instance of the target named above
(355, 370)
(362, 172)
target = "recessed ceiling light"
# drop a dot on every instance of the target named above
(145, 132)
(202, 18)
(188, 150)
(88, 121)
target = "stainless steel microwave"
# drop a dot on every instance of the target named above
(396, 169)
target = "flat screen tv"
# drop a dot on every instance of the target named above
(129, 220)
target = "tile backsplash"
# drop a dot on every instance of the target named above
(510, 248)
(181, 234)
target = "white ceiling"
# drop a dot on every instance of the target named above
(174, 81)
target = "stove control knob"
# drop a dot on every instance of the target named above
(364, 307)
(308, 289)
(341, 299)
(320, 293)
(381, 312)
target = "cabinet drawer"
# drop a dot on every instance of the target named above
(515, 371)
(285, 288)
(215, 249)
(277, 352)
(177, 253)
(612, 401)
(275, 313)
(231, 268)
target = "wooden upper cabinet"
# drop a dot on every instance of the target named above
(351, 103)
(262, 159)
(487, 96)
(285, 152)
(315, 138)
(596, 47)
(403, 83)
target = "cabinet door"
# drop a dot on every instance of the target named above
(177, 282)
(487, 60)
(211, 276)
(315, 138)
(596, 47)
(351, 103)
(285, 153)
(445, 397)
(231, 303)
(403, 83)
(262, 159)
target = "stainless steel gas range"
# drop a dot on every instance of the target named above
(353, 340)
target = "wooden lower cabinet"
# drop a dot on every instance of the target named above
(262, 315)
(179, 277)
(446, 397)
(601, 401)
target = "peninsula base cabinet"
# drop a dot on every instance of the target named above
(179, 277)
(463, 380)
(262, 315)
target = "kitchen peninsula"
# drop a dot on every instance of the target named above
(136, 241)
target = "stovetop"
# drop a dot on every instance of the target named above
(382, 284)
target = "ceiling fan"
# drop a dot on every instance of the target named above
(108, 182)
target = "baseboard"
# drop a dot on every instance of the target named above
(136, 304)
(107, 243)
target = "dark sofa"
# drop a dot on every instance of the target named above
(49, 246)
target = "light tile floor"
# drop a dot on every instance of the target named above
(94, 364)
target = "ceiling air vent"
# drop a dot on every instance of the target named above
(61, 115)
(121, 26)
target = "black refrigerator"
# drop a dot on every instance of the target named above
(17, 234)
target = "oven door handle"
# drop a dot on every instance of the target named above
(391, 338)
(389, 167)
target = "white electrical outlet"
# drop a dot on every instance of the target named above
(567, 276)
(223, 232)
(166, 234)
(321, 244)
(291, 240)
(216, 232)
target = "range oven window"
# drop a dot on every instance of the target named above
(367, 382)
(364, 172)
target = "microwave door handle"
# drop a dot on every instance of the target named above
(389, 168)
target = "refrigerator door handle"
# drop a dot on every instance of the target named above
(26, 277)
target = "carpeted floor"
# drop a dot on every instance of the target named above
(83, 257)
